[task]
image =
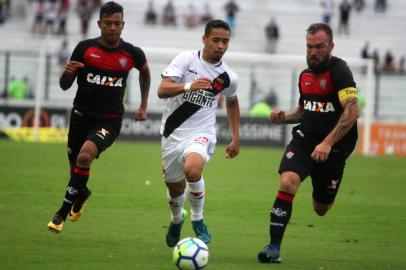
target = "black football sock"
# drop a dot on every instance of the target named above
(76, 184)
(82, 197)
(280, 215)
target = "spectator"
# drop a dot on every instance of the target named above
(358, 5)
(18, 89)
(401, 69)
(85, 10)
(376, 58)
(327, 10)
(190, 16)
(62, 17)
(150, 15)
(2, 11)
(38, 24)
(380, 5)
(63, 54)
(169, 14)
(264, 107)
(272, 36)
(206, 15)
(388, 64)
(345, 11)
(365, 51)
(231, 9)
(51, 15)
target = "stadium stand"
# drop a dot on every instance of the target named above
(383, 31)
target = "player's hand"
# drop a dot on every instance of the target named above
(232, 149)
(201, 83)
(277, 116)
(140, 114)
(321, 152)
(73, 66)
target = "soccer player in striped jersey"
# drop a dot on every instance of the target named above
(192, 85)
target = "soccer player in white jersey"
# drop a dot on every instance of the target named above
(192, 85)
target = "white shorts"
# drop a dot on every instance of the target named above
(174, 153)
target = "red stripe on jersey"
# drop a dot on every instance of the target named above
(118, 61)
(317, 84)
(81, 171)
(109, 115)
(285, 196)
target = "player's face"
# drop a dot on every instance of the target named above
(319, 49)
(215, 44)
(111, 27)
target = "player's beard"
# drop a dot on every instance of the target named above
(318, 64)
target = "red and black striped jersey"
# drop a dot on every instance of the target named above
(319, 98)
(102, 82)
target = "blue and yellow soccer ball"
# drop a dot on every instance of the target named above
(190, 254)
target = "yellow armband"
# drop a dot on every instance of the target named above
(345, 93)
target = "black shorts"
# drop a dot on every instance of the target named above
(326, 176)
(103, 132)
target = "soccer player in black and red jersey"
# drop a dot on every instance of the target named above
(325, 136)
(101, 67)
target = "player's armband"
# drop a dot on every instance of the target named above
(348, 92)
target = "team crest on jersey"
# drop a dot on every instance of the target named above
(323, 83)
(218, 84)
(123, 62)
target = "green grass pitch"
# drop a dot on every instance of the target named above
(125, 221)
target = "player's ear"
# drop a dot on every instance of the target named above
(99, 23)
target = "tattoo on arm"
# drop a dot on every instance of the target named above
(346, 120)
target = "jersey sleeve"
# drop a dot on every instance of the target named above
(344, 81)
(79, 51)
(139, 57)
(231, 91)
(300, 101)
(178, 66)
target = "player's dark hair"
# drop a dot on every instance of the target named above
(216, 24)
(110, 8)
(316, 27)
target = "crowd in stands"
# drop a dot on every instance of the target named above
(191, 15)
(388, 65)
(50, 16)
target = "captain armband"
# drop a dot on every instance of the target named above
(187, 87)
(348, 92)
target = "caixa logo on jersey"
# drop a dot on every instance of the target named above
(315, 106)
(104, 80)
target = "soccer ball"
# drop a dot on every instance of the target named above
(190, 254)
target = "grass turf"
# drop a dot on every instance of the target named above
(125, 221)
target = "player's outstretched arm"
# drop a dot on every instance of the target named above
(233, 113)
(169, 88)
(347, 119)
(69, 74)
(145, 82)
(278, 116)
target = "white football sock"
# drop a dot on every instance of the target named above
(196, 192)
(176, 206)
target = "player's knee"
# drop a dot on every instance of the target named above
(193, 173)
(84, 160)
(176, 189)
(321, 210)
(290, 184)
